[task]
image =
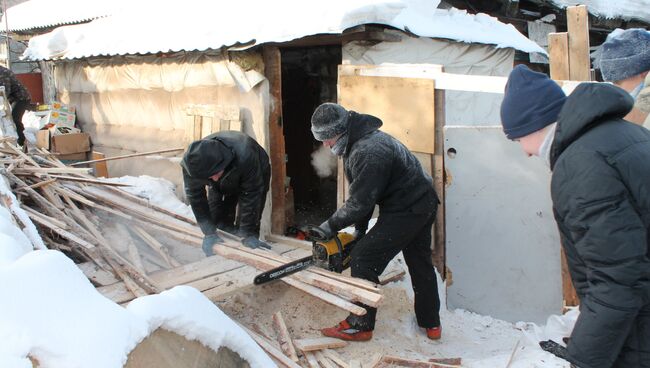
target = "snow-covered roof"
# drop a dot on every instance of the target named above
(164, 26)
(612, 9)
(47, 13)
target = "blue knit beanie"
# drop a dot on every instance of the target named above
(531, 102)
(625, 54)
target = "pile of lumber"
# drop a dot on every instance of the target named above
(79, 214)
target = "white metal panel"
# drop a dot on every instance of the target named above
(503, 248)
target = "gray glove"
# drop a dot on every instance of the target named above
(323, 232)
(208, 242)
(555, 349)
(253, 242)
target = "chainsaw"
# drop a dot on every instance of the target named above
(333, 255)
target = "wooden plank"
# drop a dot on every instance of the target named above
(355, 363)
(284, 338)
(375, 361)
(412, 363)
(330, 285)
(319, 343)
(126, 156)
(558, 55)
(289, 241)
(393, 275)
(101, 169)
(578, 29)
(439, 243)
(569, 293)
(271, 350)
(273, 72)
(312, 362)
(336, 358)
(96, 274)
(160, 249)
(323, 360)
(90, 181)
(405, 105)
(50, 170)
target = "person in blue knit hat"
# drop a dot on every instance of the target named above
(600, 167)
(624, 59)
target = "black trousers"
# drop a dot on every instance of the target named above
(17, 112)
(409, 233)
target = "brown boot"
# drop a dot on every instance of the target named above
(346, 332)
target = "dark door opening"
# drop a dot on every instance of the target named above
(309, 78)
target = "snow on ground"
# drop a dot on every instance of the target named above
(51, 312)
(56, 314)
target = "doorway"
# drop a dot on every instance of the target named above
(309, 78)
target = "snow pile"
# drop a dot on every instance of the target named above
(158, 191)
(207, 24)
(618, 9)
(51, 312)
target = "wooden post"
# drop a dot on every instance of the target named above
(558, 51)
(101, 169)
(273, 72)
(578, 27)
(439, 239)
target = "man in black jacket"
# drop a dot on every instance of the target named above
(601, 201)
(381, 171)
(237, 171)
(18, 97)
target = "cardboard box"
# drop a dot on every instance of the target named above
(43, 139)
(70, 143)
(82, 156)
(64, 144)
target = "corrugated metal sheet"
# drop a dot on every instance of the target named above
(168, 26)
(48, 13)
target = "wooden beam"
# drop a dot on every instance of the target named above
(127, 156)
(101, 170)
(273, 72)
(267, 346)
(284, 339)
(323, 360)
(558, 51)
(319, 343)
(578, 28)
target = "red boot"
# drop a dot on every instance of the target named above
(434, 333)
(346, 332)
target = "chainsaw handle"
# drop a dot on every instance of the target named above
(315, 233)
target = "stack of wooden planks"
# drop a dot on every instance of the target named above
(81, 215)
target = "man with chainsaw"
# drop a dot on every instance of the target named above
(601, 201)
(381, 171)
(236, 169)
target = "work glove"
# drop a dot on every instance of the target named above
(253, 242)
(555, 349)
(322, 233)
(209, 241)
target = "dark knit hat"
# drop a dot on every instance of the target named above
(328, 121)
(625, 54)
(531, 102)
(206, 157)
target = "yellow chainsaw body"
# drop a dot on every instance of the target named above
(334, 255)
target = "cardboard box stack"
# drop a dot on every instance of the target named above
(58, 133)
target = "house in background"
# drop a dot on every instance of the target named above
(141, 82)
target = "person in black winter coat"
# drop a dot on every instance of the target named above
(601, 201)
(381, 171)
(236, 169)
(18, 97)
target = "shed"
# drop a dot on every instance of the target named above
(144, 83)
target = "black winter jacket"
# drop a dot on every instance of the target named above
(601, 199)
(381, 171)
(247, 177)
